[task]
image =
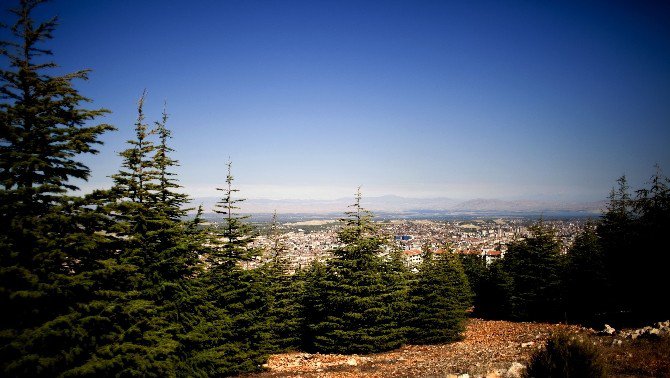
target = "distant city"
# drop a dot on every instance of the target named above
(310, 240)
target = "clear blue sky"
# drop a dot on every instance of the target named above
(312, 98)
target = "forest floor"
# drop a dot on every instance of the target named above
(489, 349)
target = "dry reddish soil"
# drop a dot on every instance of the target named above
(488, 349)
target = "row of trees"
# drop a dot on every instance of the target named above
(613, 272)
(365, 299)
(120, 282)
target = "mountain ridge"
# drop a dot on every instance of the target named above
(398, 204)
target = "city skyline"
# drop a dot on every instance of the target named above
(312, 99)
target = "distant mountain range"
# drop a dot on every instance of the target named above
(395, 204)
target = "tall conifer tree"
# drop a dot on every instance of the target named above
(151, 232)
(314, 304)
(440, 299)
(652, 209)
(586, 281)
(616, 230)
(239, 292)
(631, 234)
(358, 315)
(285, 289)
(48, 239)
(535, 265)
(146, 343)
(495, 298)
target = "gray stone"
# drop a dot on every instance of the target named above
(515, 370)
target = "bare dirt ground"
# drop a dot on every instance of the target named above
(489, 348)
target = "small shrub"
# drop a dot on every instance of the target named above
(566, 356)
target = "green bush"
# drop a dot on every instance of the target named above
(567, 356)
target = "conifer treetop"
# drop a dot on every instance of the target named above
(169, 200)
(42, 122)
(137, 178)
(237, 234)
(357, 222)
(277, 239)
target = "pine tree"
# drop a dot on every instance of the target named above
(154, 236)
(397, 279)
(204, 341)
(535, 266)
(585, 280)
(169, 234)
(358, 313)
(239, 292)
(278, 249)
(169, 202)
(135, 185)
(652, 210)
(181, 287)
(236, 233)
(474, 266)
(49, 240)
(44, 127)
(285, 289)
(631, 234)
(617, 233)
(440, 299)
(313, 304)
(495, 298)
(158, 262)
(149, 210)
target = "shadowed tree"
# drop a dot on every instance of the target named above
(631, 234)
(652, 209)
(495, 298)
(535, 266)
(49, 240)
(616, 232)
(585, 280)
(474, 266)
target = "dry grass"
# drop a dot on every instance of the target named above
(648, 357)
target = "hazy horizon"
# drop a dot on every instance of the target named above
(391, 204)
(310, 100)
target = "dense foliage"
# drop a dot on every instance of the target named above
(50, 248)
(612, 273)
(440, 298)
(534, 263)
